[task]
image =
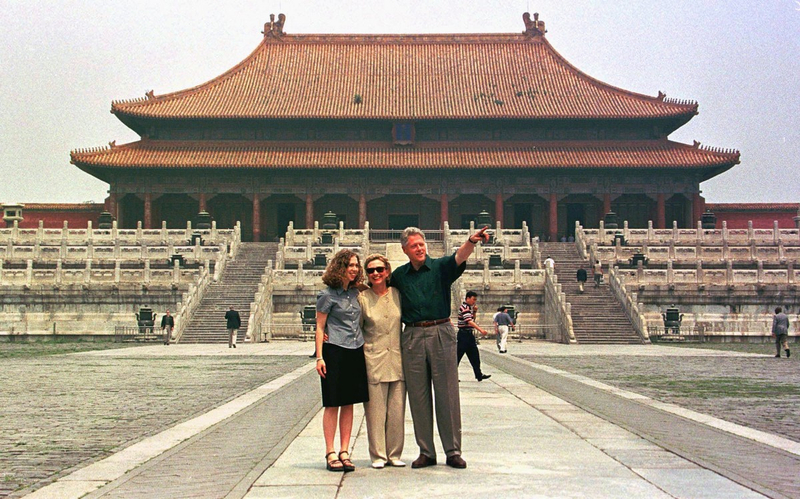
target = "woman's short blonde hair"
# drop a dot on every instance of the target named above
(378, 256)
(336, 272)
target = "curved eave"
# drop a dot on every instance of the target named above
(520, 77)
(173, 155)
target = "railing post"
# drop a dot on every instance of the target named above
(176, 273)
(64, 239)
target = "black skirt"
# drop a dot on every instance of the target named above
(345, 382)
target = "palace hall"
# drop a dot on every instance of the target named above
(403, 130)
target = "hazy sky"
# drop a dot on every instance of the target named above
(63, 62)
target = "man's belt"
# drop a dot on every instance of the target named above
(427, 323)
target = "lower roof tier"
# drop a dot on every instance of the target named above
(152, 154)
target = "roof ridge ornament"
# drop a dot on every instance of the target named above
(533, 27)
(274, 28)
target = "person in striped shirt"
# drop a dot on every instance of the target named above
(466, 335)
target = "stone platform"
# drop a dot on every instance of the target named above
(209, 421)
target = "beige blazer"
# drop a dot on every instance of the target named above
(380, 320)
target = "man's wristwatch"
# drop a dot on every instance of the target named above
(470, 240)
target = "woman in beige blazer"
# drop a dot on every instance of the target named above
(386, 409)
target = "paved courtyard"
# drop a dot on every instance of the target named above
(760, 392)
(57, 412)
(553, 421)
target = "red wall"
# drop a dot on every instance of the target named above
(53, 215)
(763, 215)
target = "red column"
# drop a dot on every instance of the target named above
(148, 210)
(309, 212)
(553, 229)
(498, 208)
(661, 217)
(606, 204)
(362, 210)
(112, 205)
(202, 201)
(698, 206)
(445, 213)
(256, 217)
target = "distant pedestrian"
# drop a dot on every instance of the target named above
(502, 322)
(549, 262)
(581, 276)
(167, 323)
(780, 328)
(234, 322)
(466, 335)
(597, 270)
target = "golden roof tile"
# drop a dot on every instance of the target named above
(265, 155)
(490, 76)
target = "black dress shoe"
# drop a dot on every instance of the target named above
(483, 377)
(456, 462)
(423, 461)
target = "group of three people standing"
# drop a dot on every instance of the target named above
(364, 355)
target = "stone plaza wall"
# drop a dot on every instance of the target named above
(726, 283)
(87, 282)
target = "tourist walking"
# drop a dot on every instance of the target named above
(386, 410)
(549, 262)
(234, 322)
(167, 324)
(429, 343)
(502, 323)
(780, 329)
(466, 335)
(581, 276)
(597, 270)
(340, 354)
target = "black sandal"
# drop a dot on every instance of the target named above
(347, 464)
(333, 464)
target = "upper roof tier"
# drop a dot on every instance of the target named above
(404, 77)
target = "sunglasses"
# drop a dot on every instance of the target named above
(375, 269)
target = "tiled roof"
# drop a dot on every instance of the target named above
(504, 76)
(265, 155)
(723, 207)
(28, 207)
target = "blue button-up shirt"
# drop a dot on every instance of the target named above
(344, 316)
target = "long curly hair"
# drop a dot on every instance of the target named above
(335, 273)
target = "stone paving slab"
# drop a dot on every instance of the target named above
(519, 440)
(64, 411)
(756, 391)
(515, 446)
(766, 466)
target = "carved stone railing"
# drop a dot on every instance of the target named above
(190, 301)
(105, 253)
(633, 310)
(126, 237)
(730, 327)
(301, 245)
(701, 277)
(258, 327)
(557, 310)
(686, 237)
(90, 276)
